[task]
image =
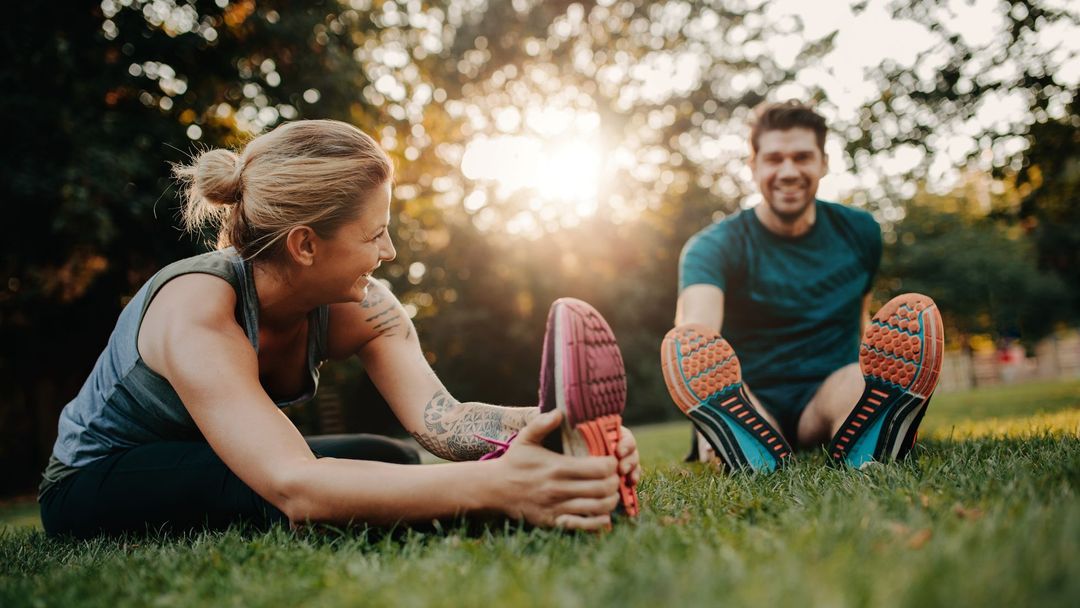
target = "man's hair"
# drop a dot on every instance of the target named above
(783, 116)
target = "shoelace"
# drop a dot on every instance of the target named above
(500, 446)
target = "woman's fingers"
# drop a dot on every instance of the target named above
(590, 506)
(582, 522)
(539, 427)
(629, 459)
(598, 488)
(585, 467)
(627, 443)
(629, 463)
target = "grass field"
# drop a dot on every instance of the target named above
(986, 513)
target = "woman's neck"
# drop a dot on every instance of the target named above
(281, 301)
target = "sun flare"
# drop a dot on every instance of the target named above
(565, 175)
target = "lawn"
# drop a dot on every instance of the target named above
(985, 513)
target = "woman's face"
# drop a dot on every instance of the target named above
(358, 248)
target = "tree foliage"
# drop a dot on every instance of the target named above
(105, 94)
(1004, 104)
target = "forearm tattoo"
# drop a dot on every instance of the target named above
(452, 429)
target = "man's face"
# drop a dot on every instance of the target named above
(787, 168)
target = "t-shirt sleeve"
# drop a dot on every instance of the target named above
(705, 260)
(871, 236)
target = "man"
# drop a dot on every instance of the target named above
(789, 283)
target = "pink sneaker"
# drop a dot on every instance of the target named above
(582, 375)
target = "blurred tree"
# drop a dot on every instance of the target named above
(982, 275)
(663, 88)
(102, 96)
(1050, 210)
(1002, 104)
(106, 93)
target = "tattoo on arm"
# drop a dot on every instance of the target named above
(374, 298)
(451, 428)
(384, 314)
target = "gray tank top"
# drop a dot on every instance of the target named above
(124, 403)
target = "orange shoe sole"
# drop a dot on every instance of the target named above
(900, 357)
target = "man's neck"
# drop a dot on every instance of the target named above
(784, 227)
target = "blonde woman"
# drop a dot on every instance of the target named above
(179, 426)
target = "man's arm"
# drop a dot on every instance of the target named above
(381, 333)
(703, 304)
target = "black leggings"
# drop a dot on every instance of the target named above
(181, 486)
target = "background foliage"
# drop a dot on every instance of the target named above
(101, 96)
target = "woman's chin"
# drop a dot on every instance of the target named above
(360, 289)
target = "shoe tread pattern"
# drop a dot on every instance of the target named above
(900, 357)
(703, 376)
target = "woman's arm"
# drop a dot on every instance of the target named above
(453, 430)
(189, 336)
(381, 333)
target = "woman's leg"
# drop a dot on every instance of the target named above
(363, 447)
(180, 486)
(166, 486)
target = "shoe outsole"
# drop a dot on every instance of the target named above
(587, 383)
(900, 357)
(704, 379)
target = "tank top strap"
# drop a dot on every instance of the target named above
(225, 264)
(320, 324)
(249, 298)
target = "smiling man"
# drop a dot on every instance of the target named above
(788, 282)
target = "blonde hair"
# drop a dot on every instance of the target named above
(303, 173)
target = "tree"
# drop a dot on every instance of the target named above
(104, 95)
(1006, 104)
(983, 276)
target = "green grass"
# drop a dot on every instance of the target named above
(986, 513)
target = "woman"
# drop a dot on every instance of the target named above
(178, 425)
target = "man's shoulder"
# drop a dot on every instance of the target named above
(721, 229)
(857, 226)
(847, 213)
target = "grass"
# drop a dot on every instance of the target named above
(986, 513)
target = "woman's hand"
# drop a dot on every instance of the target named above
(554, 490)
(629, 461)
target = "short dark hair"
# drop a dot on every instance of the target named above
(771, 116)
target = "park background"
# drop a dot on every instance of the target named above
(543, 149)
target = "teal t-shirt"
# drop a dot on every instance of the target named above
(791, 305)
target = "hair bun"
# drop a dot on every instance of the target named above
(217, 177)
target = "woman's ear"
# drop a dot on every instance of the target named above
(301, 243)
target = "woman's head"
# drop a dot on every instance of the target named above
(313, 173)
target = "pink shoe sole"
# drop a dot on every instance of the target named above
(583, 376)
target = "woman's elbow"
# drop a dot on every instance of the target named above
(293, 493)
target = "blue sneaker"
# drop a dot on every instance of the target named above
(900, 357)
(704, 379)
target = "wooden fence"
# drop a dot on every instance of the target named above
(1055, 357)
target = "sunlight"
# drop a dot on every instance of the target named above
(565, 175)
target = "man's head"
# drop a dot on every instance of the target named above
(787, 142)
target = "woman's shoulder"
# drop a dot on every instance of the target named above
(195, 298)
(222, 264)
(187, 306)
(353, 325)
